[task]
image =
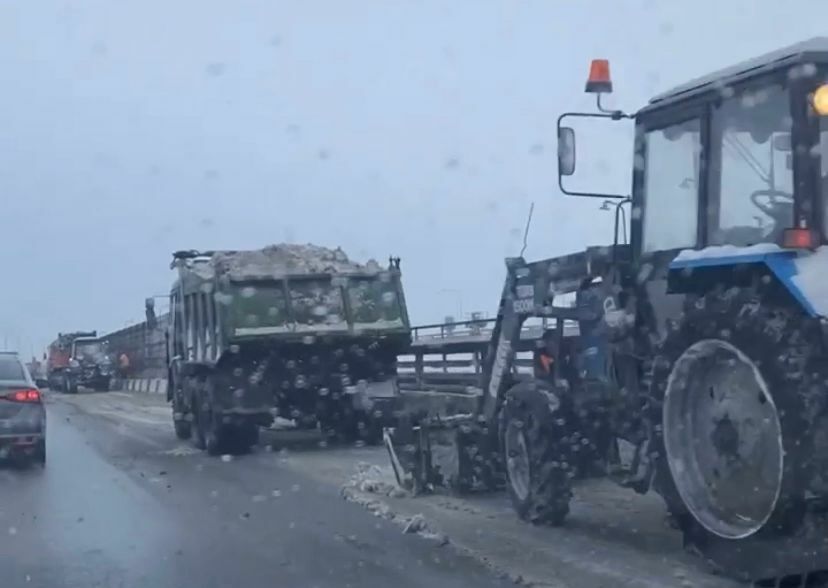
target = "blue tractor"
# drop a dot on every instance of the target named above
(699, 366)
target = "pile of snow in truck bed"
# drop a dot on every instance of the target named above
(288, 259)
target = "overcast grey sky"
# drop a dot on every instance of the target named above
(422, 128)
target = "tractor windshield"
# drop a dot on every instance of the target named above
(671, 186)
(752, 185)
(89, 350)
(823, 170)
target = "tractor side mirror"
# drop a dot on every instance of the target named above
(566, 151)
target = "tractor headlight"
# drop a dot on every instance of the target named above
(819, 100)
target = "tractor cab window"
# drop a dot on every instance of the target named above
(823, 170)
(671, 186)
(752, 175)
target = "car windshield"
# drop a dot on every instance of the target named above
(413, 293)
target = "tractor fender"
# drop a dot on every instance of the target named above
(540, 395)
(801, 273)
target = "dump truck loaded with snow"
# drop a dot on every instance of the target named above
(299, 332)
(699, 366)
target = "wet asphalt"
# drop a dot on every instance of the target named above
(115, 507)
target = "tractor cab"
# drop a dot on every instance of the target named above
(738, 157)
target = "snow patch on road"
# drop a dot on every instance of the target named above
(375, 479)
(371, 481)
(180, 451)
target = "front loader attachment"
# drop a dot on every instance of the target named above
(457, 453)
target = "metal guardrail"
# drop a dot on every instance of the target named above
(443, 356)
(480, 329)
(145, 347)
(448, 357)
(449, 373)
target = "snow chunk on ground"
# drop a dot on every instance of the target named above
(727, 251)
(374, 479)
(371, 480)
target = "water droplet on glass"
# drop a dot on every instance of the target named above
(215, 69)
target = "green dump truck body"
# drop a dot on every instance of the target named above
(219, 301)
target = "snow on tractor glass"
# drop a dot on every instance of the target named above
(689, 361)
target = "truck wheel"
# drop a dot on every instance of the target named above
(199, 438)
(212, 435)
(347, 425)
(182, 418)
(183, 429)
(241, 438)
(69, 386)
(535, 452)
(739, 382)
(363, 427)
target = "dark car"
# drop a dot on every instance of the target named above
(22, 414)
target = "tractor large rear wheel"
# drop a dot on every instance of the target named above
(739, 380)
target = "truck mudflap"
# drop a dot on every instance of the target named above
(381, 400)
(457, 453)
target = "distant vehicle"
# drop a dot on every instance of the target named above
(59, 360)
(38, 372)
(22, 415)
(79, 359)
(90, 365)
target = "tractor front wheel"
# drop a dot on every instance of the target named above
(536, 452)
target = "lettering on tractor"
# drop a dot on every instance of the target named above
(690, 361)
(298, 332)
